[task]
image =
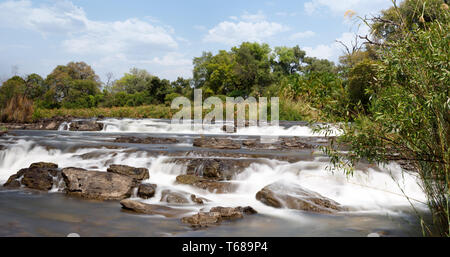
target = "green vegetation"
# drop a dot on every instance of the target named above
(408, 102)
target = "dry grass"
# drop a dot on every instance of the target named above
(18, 109)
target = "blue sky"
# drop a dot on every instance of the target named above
(162, 36)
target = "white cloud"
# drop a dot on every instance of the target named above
(362, 7)
(130, 36)
(63, 16)
(250, 27)
(107, 45)
(302, 35)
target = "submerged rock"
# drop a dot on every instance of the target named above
(216, 215)
(86, 125)
(173, 197)
(146, 191)
(151, 209)
(97, 185)
(39, 176)
(209, 185)
(292, 196)
(137, 174)
(216, 143)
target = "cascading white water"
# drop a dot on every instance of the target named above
(164, 126)
(371, 190)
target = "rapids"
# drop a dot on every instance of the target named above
(372, 193)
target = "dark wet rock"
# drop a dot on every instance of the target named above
(151, 209)
(216, 215)
(97, 185)
(216, 143)
(44, 165)
(147, 140)
(146, 191)
(137, 174)
(292, 196)
(174, 197)
(39, 176)
(85, 125)
(2, 133)
(2, 147)
(209, 185)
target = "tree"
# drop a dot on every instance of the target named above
(65, 82)
(410, 111)
(10, 88)
(408, 16)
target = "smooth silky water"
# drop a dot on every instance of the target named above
(380, 199)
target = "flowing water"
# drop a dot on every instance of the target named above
(379, 199)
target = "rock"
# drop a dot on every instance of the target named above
(2, 133)
(228, 212)
(215, 168)
(146, 191)
(147, 140)
(151, 209)
(174, 197)
(137, 174)
(44, 165)
(203, 219)
(295, 143)
(292, 196)
(53, 125)
(198, 200)
(216, 143)
(85, 125)
(211, 186)
(2, 147)
(216, 215)
(97, 185)
(39, 176)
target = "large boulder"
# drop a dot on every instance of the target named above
(151, 209)
(39, 176)
(146, 191)
(209, 185)
(137, 174)
(97, 185)
(216, 143)
(293, 196)
(86, 125)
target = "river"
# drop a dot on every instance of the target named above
(375, 196)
